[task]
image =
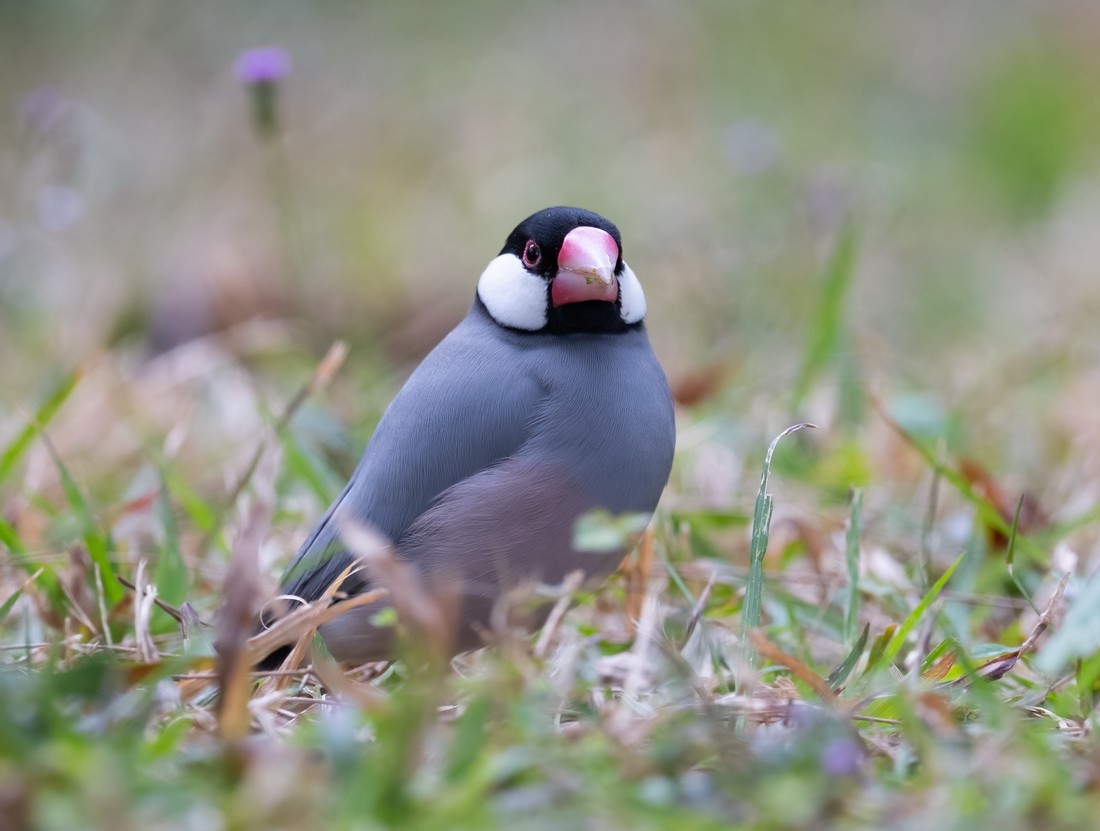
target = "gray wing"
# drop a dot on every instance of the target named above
(465, 408)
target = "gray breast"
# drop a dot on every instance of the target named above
(600, 434)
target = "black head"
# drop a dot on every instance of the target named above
(561, 270)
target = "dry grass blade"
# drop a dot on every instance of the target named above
(241, 601)
(426, 613)
(145, 597)
(776, 655)
(101, 600)
(700, 607)
(306, 630)
(1002, 664)
(569, 587)
(364, 696)
(639, 663)
(289, 629)
(321, 376)
(1043, 623)
(326, 370)
(638, 570)
(165, 607)
(281, 682)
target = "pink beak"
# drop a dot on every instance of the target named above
(586, 268)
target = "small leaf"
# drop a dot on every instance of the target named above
(939, 670)
(599, 532)
(384, 617)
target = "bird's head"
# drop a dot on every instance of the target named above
(562, 270)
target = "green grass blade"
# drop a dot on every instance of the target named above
(941, 649)
(839, 675)
(302, 464)
(878, 649)
(8, 605)
(201, 515)
(914, 617)
(17, 551)
(15, 546)
(828, 326)
(171, 574)
(1010, 557)
(761, 523)
(851, 554)
(95, 540)
(25, 437)
(987, 513)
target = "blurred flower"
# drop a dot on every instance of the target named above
(841, 757)
(43, 107)
(262, 69)
(266, 65)
(59, 207)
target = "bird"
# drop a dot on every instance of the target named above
(544, 403)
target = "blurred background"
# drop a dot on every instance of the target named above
(832, 207)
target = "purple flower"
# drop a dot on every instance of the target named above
(262, 69)
(262, 66)
(44, 107)
(842, 757)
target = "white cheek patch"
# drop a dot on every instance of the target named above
(631, 296)
(514, 296)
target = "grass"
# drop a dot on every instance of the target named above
(839, 215)
(113, 714)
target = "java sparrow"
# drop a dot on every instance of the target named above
(544, 403)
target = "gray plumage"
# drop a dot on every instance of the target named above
(484, 460)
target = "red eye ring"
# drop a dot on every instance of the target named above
(532, 254)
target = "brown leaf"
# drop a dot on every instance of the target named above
(695, 386)
(774, 654)
(996, 668)
(1032, 516)
(938, 670)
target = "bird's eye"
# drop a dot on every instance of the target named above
(532, 254)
